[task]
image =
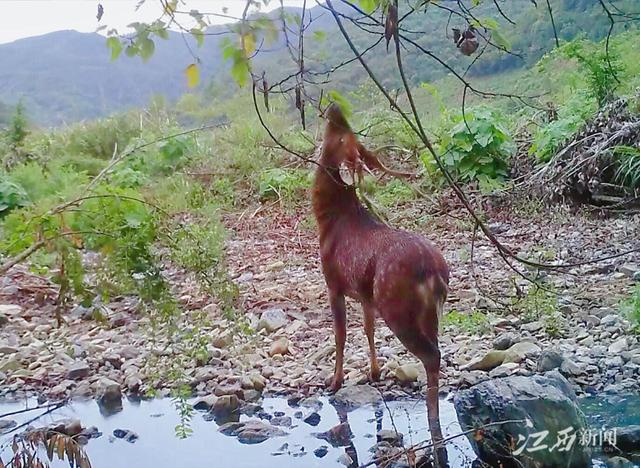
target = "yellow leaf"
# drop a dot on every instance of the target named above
(249, 44)
(193, 75)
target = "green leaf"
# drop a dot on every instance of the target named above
(147, 47)
(368, 5)
(319, 36)
(193, 75)
(340, 100)
(131, 50)
(198, 35)
(115, 45)
(500, 40)
(240, 71)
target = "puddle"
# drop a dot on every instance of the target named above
(158, 447)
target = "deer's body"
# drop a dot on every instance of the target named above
(398, 274)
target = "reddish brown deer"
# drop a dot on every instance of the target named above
(398, 274)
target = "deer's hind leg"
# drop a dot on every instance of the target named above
(369, 329)
(339, 311)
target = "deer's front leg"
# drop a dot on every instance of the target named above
(338, 309)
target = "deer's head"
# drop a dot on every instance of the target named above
(342, 150)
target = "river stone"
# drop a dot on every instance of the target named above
(225, 406)
(280, 346)
(6, 424)
(205, 403)
(620, 462)
(313, 419)
(321, 451)
(549, 359)
(337, 436)
(392, 437)
(519, 351)
(272, 319)
(251, 431)
(505, 340)
(125, 434)
(109, 392)
(355, 396)
(627, 440)
(546, 401)
(618, 346)
(407, 373)
(78, 370)
(487, 362)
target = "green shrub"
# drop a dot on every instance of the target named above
(476, 147)
(571, 118)
(631, 308)
(475, 322)
(627, 159)
(284, 184)
(602, 67)
(393, 193)
(12, 196)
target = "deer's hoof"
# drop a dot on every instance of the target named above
(335, 384)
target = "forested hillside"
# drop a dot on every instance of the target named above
(88, 84)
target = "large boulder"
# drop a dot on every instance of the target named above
(544, 418)
(355, 396)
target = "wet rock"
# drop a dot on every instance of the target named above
(355, 396)
(109, 392)
(407, 373)
(284, 421)
(272, 319)
(549, 359)
(252, 431)
(251, 395)
(78, 370)
(337, 436)
(6, 424)
(505, 340)
(618, 346)
(225, 406)
(70, 427)
(321, 451)
(125, 434)
(345, 459)
(204, 403)
(313, 419)
(620, 462)
(627, 440)
(547, 401)
(312, 403)
(392, 437)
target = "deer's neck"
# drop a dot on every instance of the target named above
(334, 201)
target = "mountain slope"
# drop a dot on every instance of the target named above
(66, 76)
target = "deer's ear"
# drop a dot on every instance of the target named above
(372, 162)
(347, 173)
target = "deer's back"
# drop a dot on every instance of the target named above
(372, 262)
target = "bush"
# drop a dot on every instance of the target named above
(284, 184)
(631, 308)
(571, 118)
(12, 196)
(476, 147)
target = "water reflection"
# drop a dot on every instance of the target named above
(154, 421)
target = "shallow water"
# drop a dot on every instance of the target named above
(158, 447)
